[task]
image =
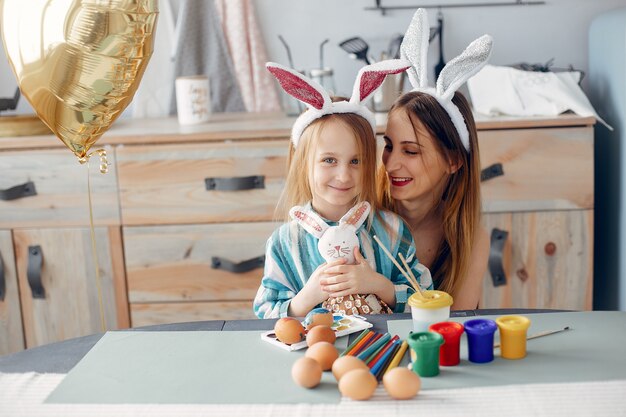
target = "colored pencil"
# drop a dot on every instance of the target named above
(357, 340)
(374, 357)
(383, 369)
(366, 344)
(365, 341)
(398, 356)
(372, 348)
(382, 361)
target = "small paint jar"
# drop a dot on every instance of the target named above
(426, 346)
(449, 354)
(428, 308)
(513, 336)
(480, 339)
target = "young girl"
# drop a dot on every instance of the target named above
(432, 166)
(332, 169)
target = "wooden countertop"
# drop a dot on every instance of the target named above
(231, 126)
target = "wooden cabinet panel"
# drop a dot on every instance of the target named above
(174, 263)
(547, 258)
(166, 184)
(11, 333)
(544, 169)
(61, 190)
(71, 306)
(155, 313)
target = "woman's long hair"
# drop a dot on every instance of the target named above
(460, 202)
(297, 189)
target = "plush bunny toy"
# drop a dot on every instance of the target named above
(339, 242)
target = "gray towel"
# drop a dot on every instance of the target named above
(201, 50)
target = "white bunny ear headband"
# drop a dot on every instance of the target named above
(318, 100)
(414, 48)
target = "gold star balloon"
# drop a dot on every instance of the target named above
(78, 62)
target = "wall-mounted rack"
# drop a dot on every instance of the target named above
(383, 9)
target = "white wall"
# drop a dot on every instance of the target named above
(522, 33)
(531, 34)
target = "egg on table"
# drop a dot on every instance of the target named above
(324, 353)
(402, 383)
(318, 316)
(346, 364)
(358, 384)
(306, 372)
(289, 330)
(320, 333)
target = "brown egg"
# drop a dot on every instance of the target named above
(289, 330)
(320, 334)
(318, 317)
(324, 353)
(358, 384)
(306, 372)
(402, 383)
(345, 364)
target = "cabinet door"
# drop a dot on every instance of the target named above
(48, 188)
(11, 334)
(61, 262)
(547, 260)
(194, 272)
(201, 183)
(543, 169)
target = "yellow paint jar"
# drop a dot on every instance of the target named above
(513, 336)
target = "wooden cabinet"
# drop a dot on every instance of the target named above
(184, 213)
(214, 203)
(11, 333)
(46, 247)
(543, 203)
(547, 260)
(70, 303)
(194, 272)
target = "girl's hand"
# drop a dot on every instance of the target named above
(312, 294)
(360, 278)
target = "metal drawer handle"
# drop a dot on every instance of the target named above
(3, 285)
(237, 268)
(491, 171)
(19, 191)
(496, 268)
(35, 262)
(234, 183)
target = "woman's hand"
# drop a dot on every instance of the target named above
(360, 278)
(312, 293)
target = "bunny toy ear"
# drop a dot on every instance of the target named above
(310, 221)
(370, 77)
(300, 87)
(464, 66)
(414, 48)
(357, 215)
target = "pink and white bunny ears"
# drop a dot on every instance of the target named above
(414, 48)
(318, 100)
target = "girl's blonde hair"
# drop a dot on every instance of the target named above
(460, 201)
(297, 189)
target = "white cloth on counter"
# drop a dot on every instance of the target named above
(24, 395)
(504, 90)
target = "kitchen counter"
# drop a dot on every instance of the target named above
(241, 126)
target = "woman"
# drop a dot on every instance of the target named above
(433, 182)
(432, 166)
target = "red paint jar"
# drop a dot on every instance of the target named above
(449, 355)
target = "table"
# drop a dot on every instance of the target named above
(25, 381)
(60, 357)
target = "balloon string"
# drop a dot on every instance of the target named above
(103, 169)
